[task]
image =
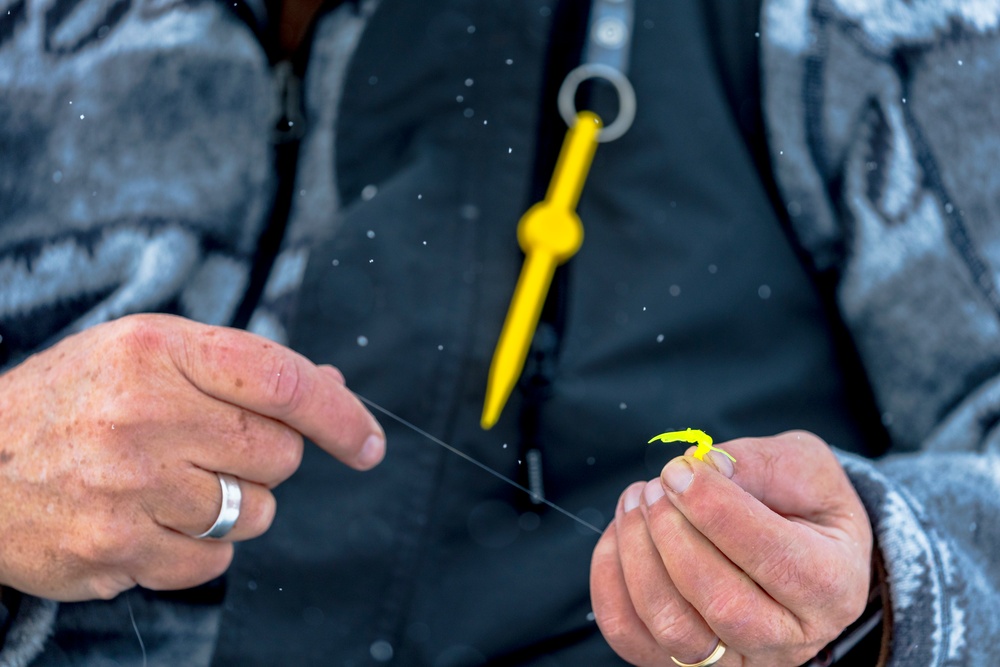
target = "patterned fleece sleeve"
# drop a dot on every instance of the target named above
(884, 134)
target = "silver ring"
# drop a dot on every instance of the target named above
(626, 97)
(229, 512)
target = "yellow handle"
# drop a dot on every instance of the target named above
(549, 234)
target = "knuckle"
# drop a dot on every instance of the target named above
(216, 564)
(285, 388)
(140, 335)
(260, 515)
(616, 628)
(269, 508)
(109, 586)
(287, 454)
(729, 611)
(781, 571)
(670, 628)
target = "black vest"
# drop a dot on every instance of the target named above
(687, 306)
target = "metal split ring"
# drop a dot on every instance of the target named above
(626, 97)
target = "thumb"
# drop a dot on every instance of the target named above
(794, 473)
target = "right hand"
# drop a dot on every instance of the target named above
(110, 442)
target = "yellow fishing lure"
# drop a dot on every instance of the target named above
(702, 440)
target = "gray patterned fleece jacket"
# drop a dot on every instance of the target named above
(118, 195)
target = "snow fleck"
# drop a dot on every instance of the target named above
(372, 80)
(764, 292)
(509, 150)
(370, 233)
(675, 290)
(336, 262)
(369, 191)
(440, 348)
(659, 338)
(460, 98)
(529, 521)
(505, 445)
(712, 268)
(468, 83)
(509, 61)
(471, 29)
(468, 113)
(362, 341)
(82, 116)
(622, 406)
(381, 650)
(960, 63)
(57, 176)
(591, 617)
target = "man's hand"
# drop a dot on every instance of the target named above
(774, 560)
(111, 440)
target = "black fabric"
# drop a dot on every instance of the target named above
(8, 610)
(686, 306)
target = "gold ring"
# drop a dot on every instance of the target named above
(716, 656)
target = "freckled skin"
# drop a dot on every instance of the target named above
(111, 439)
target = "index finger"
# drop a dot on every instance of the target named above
(259, 375)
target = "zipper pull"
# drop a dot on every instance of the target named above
(291, 124)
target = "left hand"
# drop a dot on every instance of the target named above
(772, 558)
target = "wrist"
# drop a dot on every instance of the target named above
(867, 640)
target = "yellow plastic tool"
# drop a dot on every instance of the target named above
(702, 440)
(549, 233)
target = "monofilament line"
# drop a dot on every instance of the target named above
(135, 626)
(473, 461)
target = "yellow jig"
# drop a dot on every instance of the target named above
(549, 234)
(695, 437)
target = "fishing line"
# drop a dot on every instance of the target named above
(135, 627)
(480, 464)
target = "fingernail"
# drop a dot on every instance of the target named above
(653, 491)
(721, 462)
(372, 452)
(677, 475)
(632, 497)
